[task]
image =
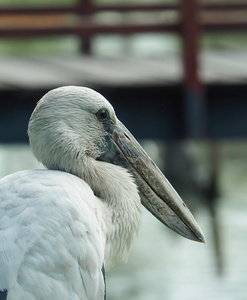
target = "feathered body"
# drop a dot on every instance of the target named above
(56, 231)
(60, 227)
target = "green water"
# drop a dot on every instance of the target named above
(163, 265)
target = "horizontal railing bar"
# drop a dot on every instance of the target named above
(135, 7)
(38, 9)
(225, 26)
(78, 8)
(87, 30)
(45, 9)
(224, 6)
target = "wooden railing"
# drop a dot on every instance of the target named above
(194, 18)
(87, 26)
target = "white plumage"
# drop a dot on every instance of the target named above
(50, 237)
(58, 230)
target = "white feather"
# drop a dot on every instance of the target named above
(58, 229)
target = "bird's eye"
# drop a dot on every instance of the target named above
(102, 114)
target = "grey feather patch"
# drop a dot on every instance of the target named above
(3, 295)
(103, 272)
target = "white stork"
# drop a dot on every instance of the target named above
(60, 227)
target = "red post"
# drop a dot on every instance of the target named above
(194, 98)
(191, 33)
(85, 8)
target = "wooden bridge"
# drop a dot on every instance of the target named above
(193, 93)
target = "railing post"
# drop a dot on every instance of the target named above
(85, 11)
(193, 89)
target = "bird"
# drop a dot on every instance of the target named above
(63, 226)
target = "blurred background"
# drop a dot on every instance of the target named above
(176, 73)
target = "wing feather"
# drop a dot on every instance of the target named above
(51, 244)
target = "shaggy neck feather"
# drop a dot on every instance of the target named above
(122, 206)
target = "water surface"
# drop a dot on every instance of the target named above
(163, 265)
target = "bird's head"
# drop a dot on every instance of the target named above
(73, 125)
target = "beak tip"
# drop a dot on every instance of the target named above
(198, 236)
(202, 239)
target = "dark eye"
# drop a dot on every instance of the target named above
(102, 114)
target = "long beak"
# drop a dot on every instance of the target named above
(157, 194)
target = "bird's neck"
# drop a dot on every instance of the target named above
(122, 206)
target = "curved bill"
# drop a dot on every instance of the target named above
(157, 194)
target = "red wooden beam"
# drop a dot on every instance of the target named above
(223, 6)
(83, 6)
(85, 29)
(39, 9)
(215, 27)
(135, 7)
